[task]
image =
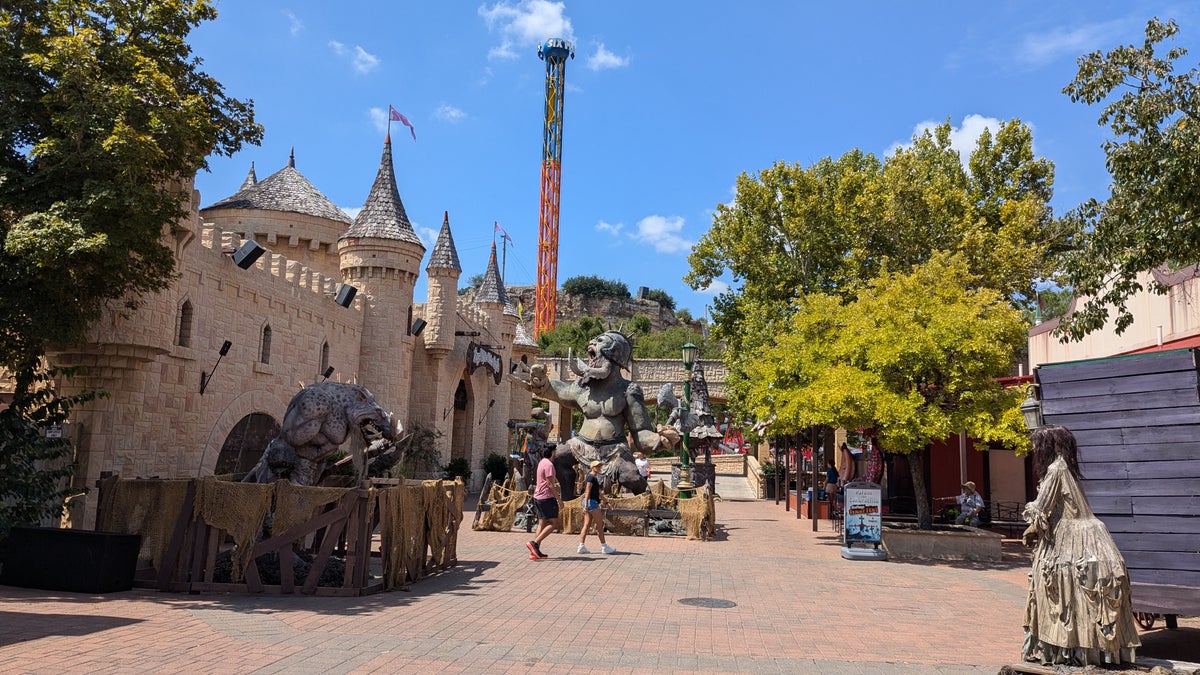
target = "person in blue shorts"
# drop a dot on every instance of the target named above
(593, 498)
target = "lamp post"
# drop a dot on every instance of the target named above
(690, 352)
(1031, 409)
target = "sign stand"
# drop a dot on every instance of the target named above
(863, 521)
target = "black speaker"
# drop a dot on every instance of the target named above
(417, 327)
(345, 295)
(245, 256)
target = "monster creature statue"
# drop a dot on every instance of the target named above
(610, 405)
(318, 420)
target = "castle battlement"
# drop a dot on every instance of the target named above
(293, 272)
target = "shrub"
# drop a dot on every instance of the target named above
(496, 465)
(459, 466)
(595, 287)
(662, 298)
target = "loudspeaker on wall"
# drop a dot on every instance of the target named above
(245, 256)
(345, 295)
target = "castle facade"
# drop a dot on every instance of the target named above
(330, 297)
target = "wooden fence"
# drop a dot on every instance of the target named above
(1137, 421)
(208, 534)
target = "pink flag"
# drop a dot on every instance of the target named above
(397, 116)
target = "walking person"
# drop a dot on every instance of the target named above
(546, 502)
(593, 499)
(831, 486)
(643, 464)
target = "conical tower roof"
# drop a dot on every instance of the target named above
(492, 288)
(523, 339)
(383, 216)
(285, 190)
(445, 255)
(251, 179)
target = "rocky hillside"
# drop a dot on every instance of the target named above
(616, 312)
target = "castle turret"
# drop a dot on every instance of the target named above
(381, 256)
(491, 296)
(442, 273)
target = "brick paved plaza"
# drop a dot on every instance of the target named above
(799, 608)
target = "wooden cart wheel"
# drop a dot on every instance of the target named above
(1145, 619)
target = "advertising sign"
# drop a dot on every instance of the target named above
(864, 521)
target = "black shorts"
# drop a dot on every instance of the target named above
(546, 509)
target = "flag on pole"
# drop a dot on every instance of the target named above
(397, 116)
(503, 233)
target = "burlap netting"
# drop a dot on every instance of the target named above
(145, 507)
(237, 508)
(415, 516)
(295, 504)
(697, 515)
(506, 503)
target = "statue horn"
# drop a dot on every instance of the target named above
(577, 366)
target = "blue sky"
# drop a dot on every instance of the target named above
(666, 104)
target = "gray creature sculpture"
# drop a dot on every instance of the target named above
(614, 415)
(318, 421)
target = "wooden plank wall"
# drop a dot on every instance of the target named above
(1137, 421)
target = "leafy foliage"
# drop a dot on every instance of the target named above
(496, 465)
(667, 344)
(570, 334)
(1150, 219)
(662, 298)
(34, 469)
(684, 315)
(105, 116)
(915, 356)
(595, 287)
(459, 466)
(473, 283)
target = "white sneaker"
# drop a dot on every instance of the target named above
(605, 548)
(582, 549)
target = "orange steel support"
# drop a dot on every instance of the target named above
(555, 53)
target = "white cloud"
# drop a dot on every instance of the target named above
(661, 232)
(449, 113)
(614, 230)
(717, 287)
(379, 118)
(362, 60)
(962, 138)
(428, 236)
(524, 24)
(295, 25)
(605, 60)
(1041, 48)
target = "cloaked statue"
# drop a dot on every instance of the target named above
(611, 405)
(1079, 611)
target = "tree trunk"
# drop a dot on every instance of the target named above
(920, 491)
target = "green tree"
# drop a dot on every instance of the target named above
(640, 324)
(105, 117)
(595, 287)
(1150, 218)
(684, 315)
(833, 226)
(473, 283)
(662, 298)
(668, 343)
(570, 335)
(915, 356)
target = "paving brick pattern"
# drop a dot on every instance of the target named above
(800, 608)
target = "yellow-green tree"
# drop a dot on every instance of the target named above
(915, 356)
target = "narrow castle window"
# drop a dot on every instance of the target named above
(183, 337)
(265, 352)
(324, 357)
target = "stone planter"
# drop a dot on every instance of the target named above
(944, 542)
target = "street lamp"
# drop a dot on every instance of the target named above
(690, 352)
(1031, 409)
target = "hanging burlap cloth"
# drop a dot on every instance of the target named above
(506, 503)
(402, 533)
(439, 520)
(295, 504)
(237, 508)
(456, 492)
(144, 507)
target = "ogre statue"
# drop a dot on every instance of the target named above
(318, 420)
(610, 405)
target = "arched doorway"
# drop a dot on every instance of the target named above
(245, 443)
(461, 428)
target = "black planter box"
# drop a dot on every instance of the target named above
(81, 561)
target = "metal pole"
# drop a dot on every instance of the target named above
(814, 509)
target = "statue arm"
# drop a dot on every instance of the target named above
(641, 426)
(540, 384)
